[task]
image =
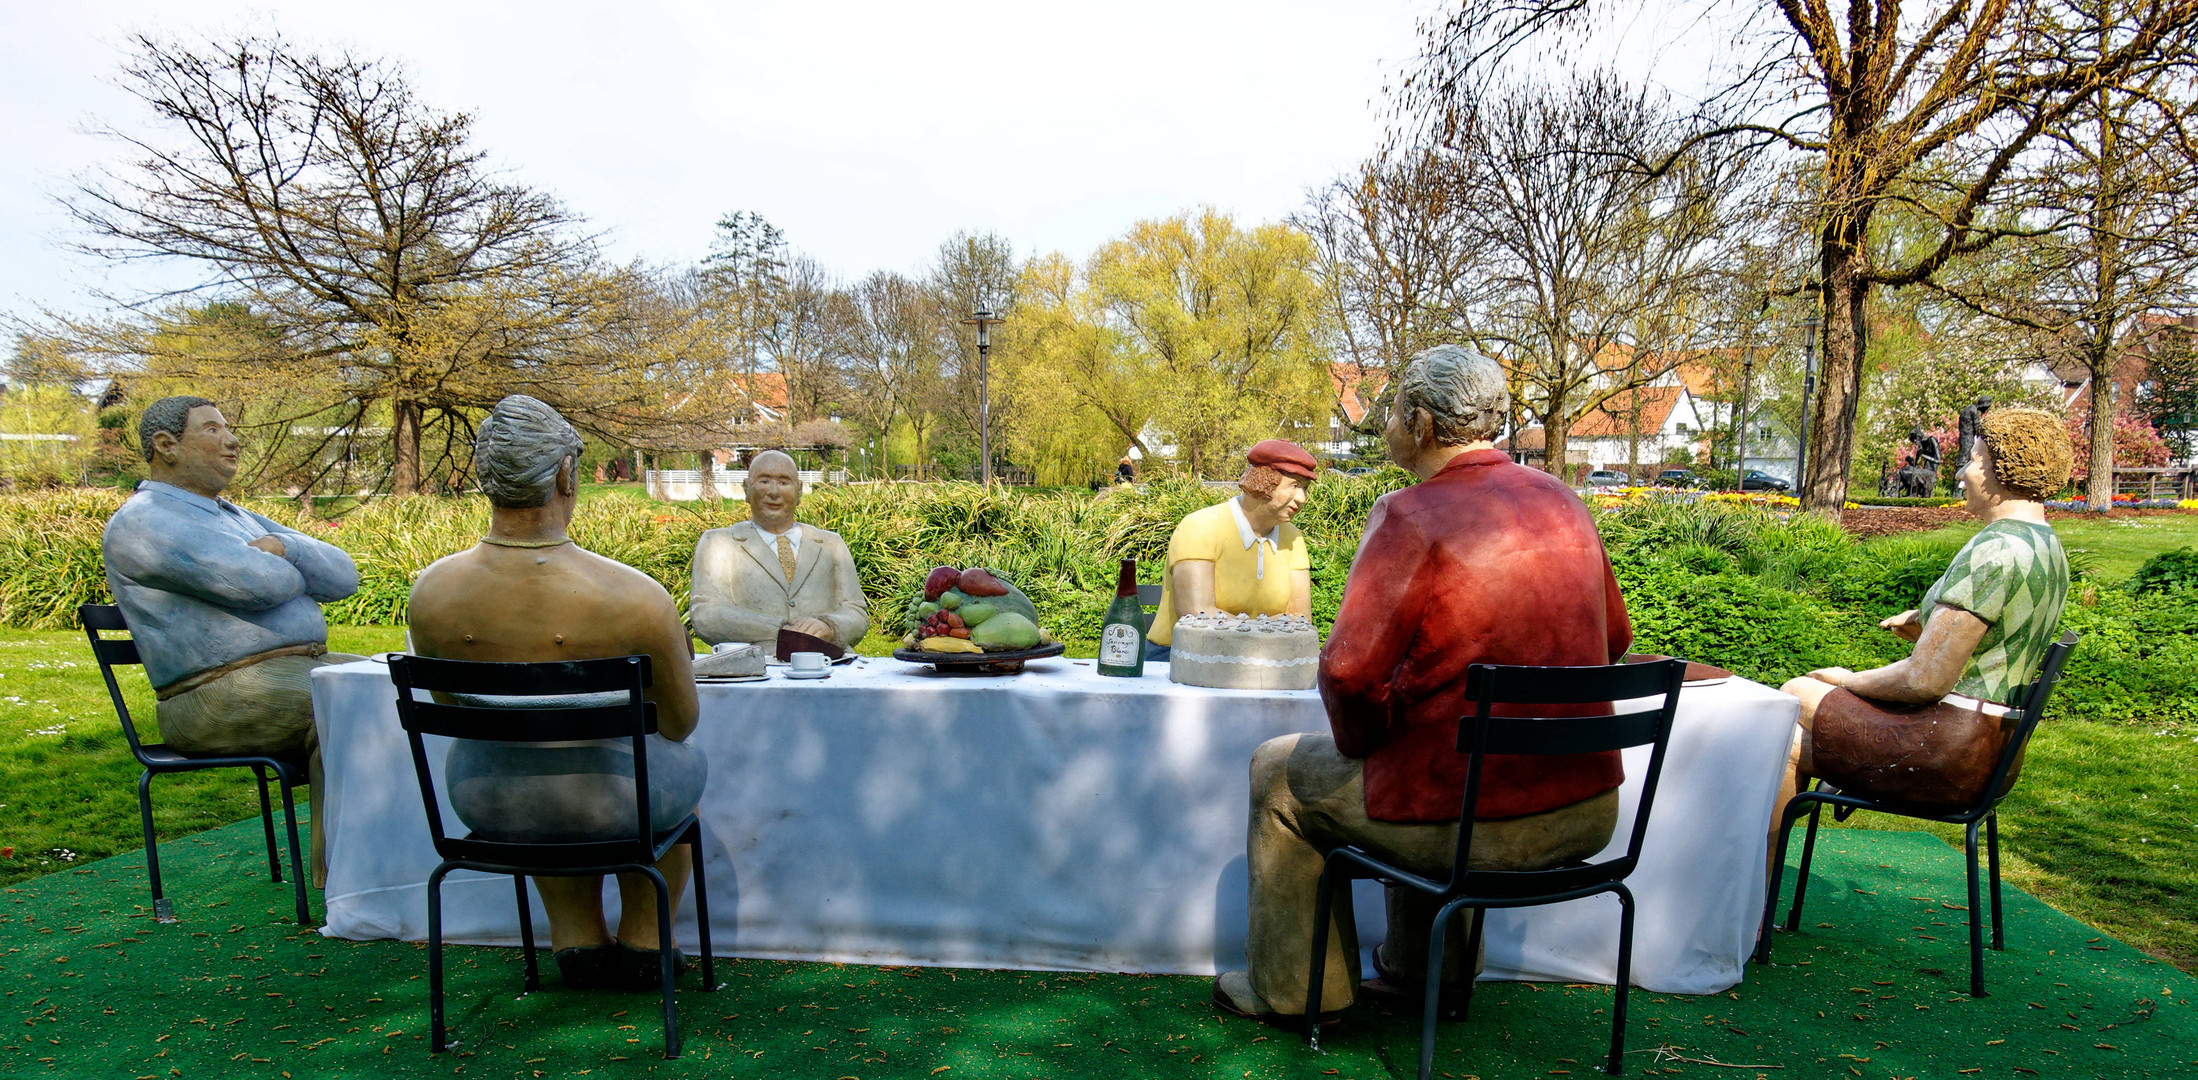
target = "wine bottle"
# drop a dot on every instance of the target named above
(1122, 639)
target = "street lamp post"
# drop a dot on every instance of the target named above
(1740, 419)
(984, 320)
(1808, 395)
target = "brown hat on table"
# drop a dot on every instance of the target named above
(1284, 456)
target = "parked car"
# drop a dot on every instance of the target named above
(1758, 480)
(1608, 478)
(1678, 478)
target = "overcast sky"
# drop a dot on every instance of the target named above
(868, 131)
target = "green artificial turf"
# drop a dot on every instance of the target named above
(1874, 987)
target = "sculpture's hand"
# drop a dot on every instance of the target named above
(270, 545)
(1904, 625)
(814, 628)
(1837, 676)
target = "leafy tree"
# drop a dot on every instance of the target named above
(1216, 335)
(2169, 399)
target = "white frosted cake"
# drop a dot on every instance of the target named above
(1245, 652)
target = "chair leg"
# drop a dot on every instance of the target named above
(1808, 855)
(163, 910)
(1431, 1002)
(1625, 981)
(1323, 907)
(1777, 878)
(297, 859)
(664, 952)
(1472, 956)
(526, 932)
(1992, 848)
(435, 1035)
(702, 911)
(1976, 920)
(267, 825)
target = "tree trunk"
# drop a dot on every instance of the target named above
(2099, 490)
(709, 476)
(1554, 422)
(404, 442)
(1831, 422)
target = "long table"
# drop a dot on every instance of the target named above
(1052, 820)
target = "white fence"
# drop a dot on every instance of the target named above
(685, 485)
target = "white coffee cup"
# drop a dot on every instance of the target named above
(807, 662)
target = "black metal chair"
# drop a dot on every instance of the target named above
(1984, 811)
(288, 767)
(632, 719)
(1148, 597)
(1481, 734)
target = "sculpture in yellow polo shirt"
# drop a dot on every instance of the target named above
(1242, 557)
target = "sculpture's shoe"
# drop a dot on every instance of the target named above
(591, 967)
(1233, 994)
(643, 969)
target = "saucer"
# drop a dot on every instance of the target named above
(791, 674)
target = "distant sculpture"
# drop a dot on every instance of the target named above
(527, 593)
(1483, 560)
(754, 577)
(1242, 556)
(1971, 428)
(224, 604)
(1921, 477)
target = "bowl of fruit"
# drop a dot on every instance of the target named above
(973, 621)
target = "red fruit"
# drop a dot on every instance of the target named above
(940, 579)
(955, 621)
(960, 632)
(978, 581)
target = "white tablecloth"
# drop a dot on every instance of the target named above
(1050, 820)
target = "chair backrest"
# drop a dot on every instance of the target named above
(112, 653)
(1483, 732)
(1148, 596)
(2033, 698)
(632, 719)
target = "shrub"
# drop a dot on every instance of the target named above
(2168, 571)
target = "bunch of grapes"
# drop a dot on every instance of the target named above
(942, 624)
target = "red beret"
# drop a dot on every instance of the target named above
(1284, 456)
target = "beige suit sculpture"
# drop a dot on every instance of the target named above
(743, 591)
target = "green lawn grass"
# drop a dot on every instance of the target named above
(68, 786)
(2113, 547)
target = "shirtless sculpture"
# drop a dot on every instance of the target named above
(527, 593)
(754, 577)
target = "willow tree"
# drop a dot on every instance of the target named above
(1931, 106)
(399, 277)
(1228, 326)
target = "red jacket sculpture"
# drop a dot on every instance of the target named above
(1486, 562)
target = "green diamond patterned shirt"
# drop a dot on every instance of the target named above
(2014, 576)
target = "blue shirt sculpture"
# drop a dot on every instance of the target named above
(224, 604)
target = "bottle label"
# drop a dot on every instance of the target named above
(1118, 646)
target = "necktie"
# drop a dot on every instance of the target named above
(786, 558)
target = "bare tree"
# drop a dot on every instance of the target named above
(894, 359)
(1931, 106)
(1596, 277)
(1395, 259)
(2116, 207)
(396, 271)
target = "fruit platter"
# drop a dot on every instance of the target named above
(973, 621)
